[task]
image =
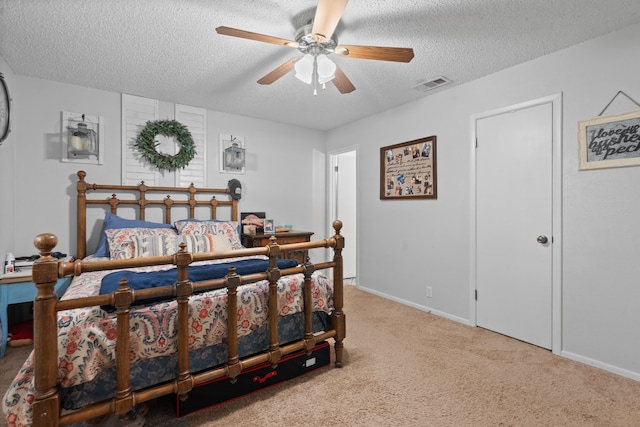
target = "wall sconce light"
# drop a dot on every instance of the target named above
(232, 154)
(81, 138)
(234, 157)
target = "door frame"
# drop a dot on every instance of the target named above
(331, 196)
(556, 203)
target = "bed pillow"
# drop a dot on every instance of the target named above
(161, 245)
(227, 228)
(121, 245)
(112, 221)
(205, 220)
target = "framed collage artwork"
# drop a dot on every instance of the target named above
(408, 170)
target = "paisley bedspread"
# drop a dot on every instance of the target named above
(87, 336)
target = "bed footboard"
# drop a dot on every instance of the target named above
(46, 271)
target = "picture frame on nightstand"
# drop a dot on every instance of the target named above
(269, 226)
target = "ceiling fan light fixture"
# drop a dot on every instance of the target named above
(304, 68)
(326, 69)
(315, 40)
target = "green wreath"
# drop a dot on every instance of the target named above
(147, 145)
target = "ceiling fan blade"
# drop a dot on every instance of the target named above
(328, 15)
(278, 72)
(234, 32)
(397, 54)
(342, 82)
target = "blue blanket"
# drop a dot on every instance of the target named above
(146, 280)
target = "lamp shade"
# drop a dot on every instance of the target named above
(233, 157)
(304, 68)
(326, 69)
(82, 140)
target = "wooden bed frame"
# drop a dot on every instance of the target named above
(46, 271)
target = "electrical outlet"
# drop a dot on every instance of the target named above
(429, 292)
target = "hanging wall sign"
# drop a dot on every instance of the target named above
(609, 142)
(408, 170)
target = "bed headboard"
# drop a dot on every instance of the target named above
(144, 199)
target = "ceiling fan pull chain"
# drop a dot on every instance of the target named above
(315, 75)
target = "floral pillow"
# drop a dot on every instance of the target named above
(120, 243)
(160, 245)
(114, 221)
(226, 228)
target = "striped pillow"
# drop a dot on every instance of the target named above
(225, 228)
(120, 243)
(160, 245)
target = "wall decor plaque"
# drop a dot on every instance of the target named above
(610, 141)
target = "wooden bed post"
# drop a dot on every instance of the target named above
(309, 340)
(184, 289)
(123, 297)
(46, 407)
(232, 281)
(337, 317)
(192, 201)
(81, 187)
(142, 199)
(273, 275)
(167, 209)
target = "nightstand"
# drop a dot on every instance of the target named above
(17, 290)
(260, 239)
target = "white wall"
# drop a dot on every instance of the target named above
(283, 163)
(406, 245)
(7, 172)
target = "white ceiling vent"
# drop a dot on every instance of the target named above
(432, 84)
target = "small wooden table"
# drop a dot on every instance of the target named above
(15, 290)
(287, 237)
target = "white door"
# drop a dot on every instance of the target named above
(514, 217)
(344, 201)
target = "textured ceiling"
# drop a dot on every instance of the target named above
(169, 49)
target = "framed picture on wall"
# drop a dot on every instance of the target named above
(408, 170)
(609, 142)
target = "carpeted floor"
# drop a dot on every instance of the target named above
(405, 367)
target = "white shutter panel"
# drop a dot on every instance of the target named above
(195, 119)
(136, 112)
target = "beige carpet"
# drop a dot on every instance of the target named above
(404, 367)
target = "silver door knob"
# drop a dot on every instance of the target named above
(542, 239)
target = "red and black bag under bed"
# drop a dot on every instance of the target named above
(257, 378)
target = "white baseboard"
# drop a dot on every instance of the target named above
(601, 365)
(418, 306)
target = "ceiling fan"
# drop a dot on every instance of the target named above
(316, 40)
